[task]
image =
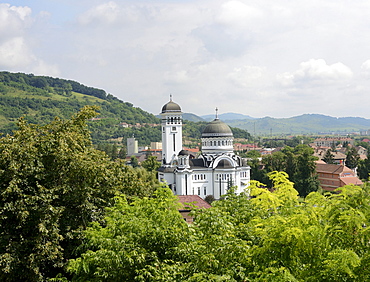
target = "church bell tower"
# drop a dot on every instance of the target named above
(171, 131)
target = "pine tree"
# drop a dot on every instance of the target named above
(328, 157)
(352, 158)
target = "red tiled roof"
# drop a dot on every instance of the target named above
(331, 168)
(351, 180)
(195, 200)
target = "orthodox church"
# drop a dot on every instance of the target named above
(213, 172)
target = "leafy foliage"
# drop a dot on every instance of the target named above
(39, 99)
(298, 163)
(364, 167)
(269, 237)
(136, 241)
(53, 183)
(352, 158)
(328, 157)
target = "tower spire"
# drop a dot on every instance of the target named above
(171, 97)
(216, 113)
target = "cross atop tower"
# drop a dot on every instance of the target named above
(171, 97)
(216, 113)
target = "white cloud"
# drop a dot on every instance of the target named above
(366, 65)
(236, 14)
(246, 76)
(43, 68)
(106, 13)
(13, 20)
(176, 77)
(15, 53)
(316, 72)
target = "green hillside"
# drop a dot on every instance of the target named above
(40, 99)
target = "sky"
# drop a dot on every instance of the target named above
(277, 58)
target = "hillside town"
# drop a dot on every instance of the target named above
(332, 167)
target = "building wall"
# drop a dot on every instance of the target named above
(171, 136)
(208, 181)
(329, 181)
(132, 146)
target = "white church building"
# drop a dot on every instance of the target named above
(213, 172)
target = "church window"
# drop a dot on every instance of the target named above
(219, 143)
(205, 191)
(163, 129)
(198, 190)
(223, 143)
(193, 191)
(174, 142)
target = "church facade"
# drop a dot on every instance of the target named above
(213, 172)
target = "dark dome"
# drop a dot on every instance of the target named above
(171, 107)
(184, 153)
(217, 128)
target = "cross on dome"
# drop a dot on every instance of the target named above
(216, 113)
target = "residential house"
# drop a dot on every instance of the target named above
(333, 176)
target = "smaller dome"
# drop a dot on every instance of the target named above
(184, 153)
(171, 107)
(217, 128)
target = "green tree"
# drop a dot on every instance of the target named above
(364, 167)
(328, 157)
(151, 163)
(352, 158)
(260, 235)
(138, 242)
(122, 153)
(253, 154)
(52, 184)
(305, 179)
(134, 162)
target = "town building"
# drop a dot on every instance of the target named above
(333, 176)
(132, 146)
(333, 141)
(213, 171)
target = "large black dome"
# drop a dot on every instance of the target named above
(171, 107)
(217, 128)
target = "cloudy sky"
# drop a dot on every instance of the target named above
(278, 58)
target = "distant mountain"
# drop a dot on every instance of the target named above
(226, 117)
(40, 98)
(192, 117)
(303, 124)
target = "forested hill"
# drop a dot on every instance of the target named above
(40, 99)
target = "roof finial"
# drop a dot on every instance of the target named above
(216, 113)
(171, 97)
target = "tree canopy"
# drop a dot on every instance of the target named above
(298, 163)
(269, 237)
(53, 183)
